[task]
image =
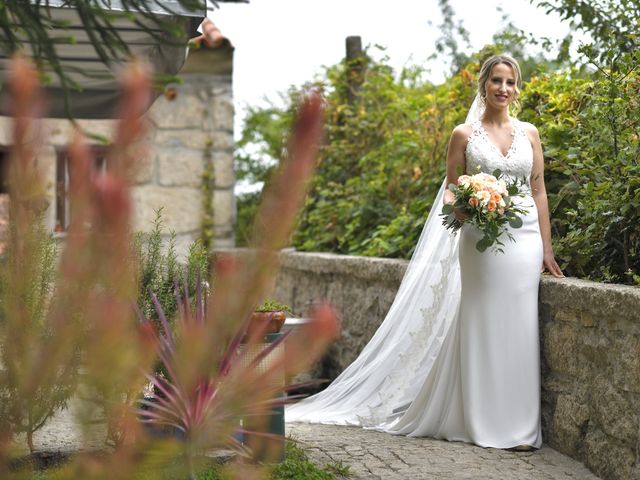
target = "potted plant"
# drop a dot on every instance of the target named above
(268, 317)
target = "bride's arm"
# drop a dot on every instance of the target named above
(456, 164)
(539, 194)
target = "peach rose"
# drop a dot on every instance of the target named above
(496, 197)
(474, 202)
(491, 206)
(489, 178)
(477, 185)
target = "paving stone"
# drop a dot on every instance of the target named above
(374, 455)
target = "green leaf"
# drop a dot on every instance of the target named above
(447, 208)
(515, 222)
(483, 244)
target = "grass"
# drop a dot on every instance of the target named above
(338, 469)
(296, 466)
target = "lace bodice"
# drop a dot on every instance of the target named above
(483, 155)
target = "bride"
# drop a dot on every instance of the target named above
(457, 356)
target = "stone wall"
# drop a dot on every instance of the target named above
(361, 288)
(590, 347)
(191, 134)
(590, 337)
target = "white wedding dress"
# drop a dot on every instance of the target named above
(457, 356)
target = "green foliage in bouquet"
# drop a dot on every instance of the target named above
(491, 216)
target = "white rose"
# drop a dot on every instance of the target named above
(483, 196)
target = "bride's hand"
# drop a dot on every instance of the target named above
(549, 263)
(460, 215)
(449, 199)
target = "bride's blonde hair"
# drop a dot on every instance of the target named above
(485, 72)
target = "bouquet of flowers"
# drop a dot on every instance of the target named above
(487, 201)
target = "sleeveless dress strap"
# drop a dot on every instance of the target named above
(517, 125)
(476, 130)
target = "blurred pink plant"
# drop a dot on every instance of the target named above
(90, 319)
(207, 388)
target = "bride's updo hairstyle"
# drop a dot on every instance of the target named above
(485, 72)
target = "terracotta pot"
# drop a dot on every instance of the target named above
(266, 322)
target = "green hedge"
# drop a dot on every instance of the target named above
(590, 131)
(383, 161)
(385, 154)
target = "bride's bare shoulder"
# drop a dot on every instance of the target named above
(531, 131)
(461, 133)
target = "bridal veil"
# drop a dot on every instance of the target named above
(378, 387)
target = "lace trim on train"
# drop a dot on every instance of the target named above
(390, 396)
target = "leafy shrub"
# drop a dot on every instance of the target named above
(159, 270)
(590, 133)
(90, 310)
(383, 160)
(385, 152)
(247, 208)
(27, 281)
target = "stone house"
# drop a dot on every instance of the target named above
(188, 170)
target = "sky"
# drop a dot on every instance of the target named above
(279, 43)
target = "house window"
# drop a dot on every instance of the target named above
(64, 208)
(4, 198)
(4, 171)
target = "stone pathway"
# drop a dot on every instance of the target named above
(61, 434)
(379, 456)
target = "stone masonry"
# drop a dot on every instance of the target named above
(590, 337)
(191, 131)
(590, 348)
